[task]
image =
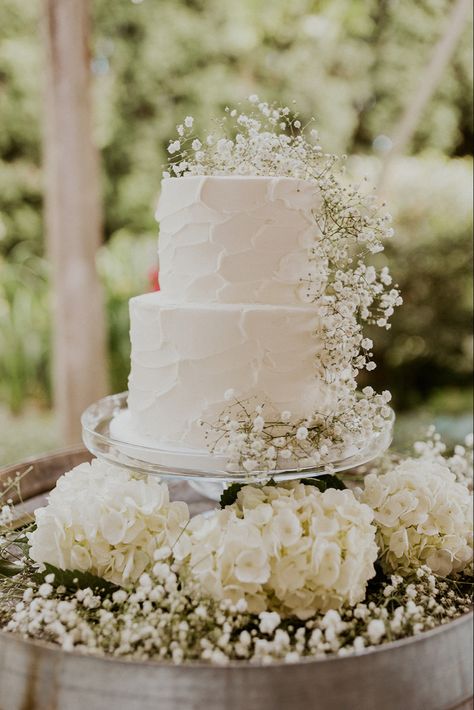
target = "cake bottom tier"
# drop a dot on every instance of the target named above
(185, 357)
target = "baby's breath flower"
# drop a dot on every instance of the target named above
(376, 631)
(302, 433)
(184, 625)
(346, 291)
(6, 515)
(273, 441)
(432, 449)
(258, 423)
(174, 147)
(269, 621)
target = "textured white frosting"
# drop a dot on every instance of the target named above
(234, 239)
(185, 356)
(234, 258)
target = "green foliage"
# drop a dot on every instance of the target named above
(75, 579)
(323, 483)
(9, 569)
(429, 347)
(25, 315)
(31, 432)
(352, 65)
(24, 328)
(20, 130)
(229, 494)
(124, 265)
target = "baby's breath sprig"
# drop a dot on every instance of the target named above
(15, 565)
(168, 618)
(256, 438)
(265, 140)
(459, 460)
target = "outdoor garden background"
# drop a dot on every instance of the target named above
(352, 65)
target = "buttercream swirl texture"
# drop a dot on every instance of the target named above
(185, 357)
(231, 314)
(236, 239)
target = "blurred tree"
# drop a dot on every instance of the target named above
(350, 64)
(73, 208)
(430, 345)
(428, 81)
(20, 129)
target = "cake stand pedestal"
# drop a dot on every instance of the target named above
(103, 435)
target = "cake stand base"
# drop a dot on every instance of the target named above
(107, 434)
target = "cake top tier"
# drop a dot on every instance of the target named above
(237, 239)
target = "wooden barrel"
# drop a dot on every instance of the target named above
(432, 671)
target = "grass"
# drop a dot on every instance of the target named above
(30, 433)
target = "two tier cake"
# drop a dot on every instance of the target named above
(234, 312)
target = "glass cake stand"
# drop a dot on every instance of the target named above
(105, 434)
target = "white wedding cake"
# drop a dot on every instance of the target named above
(234, 309)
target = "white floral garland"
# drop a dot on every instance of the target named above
(346, 291)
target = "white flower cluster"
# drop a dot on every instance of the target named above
(423, 517)
(358, 296)
(102, 519)
(162, 618)
(460, 463)
(254, 438)
(265, 141)
(286, 548)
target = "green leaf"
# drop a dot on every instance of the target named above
(8, 569)
(229, 495)
(322, 483)
(74, 579)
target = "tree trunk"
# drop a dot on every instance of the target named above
(73, 215)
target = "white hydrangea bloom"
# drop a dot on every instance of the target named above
(101, 519)
(423, 517)
(286, 548)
